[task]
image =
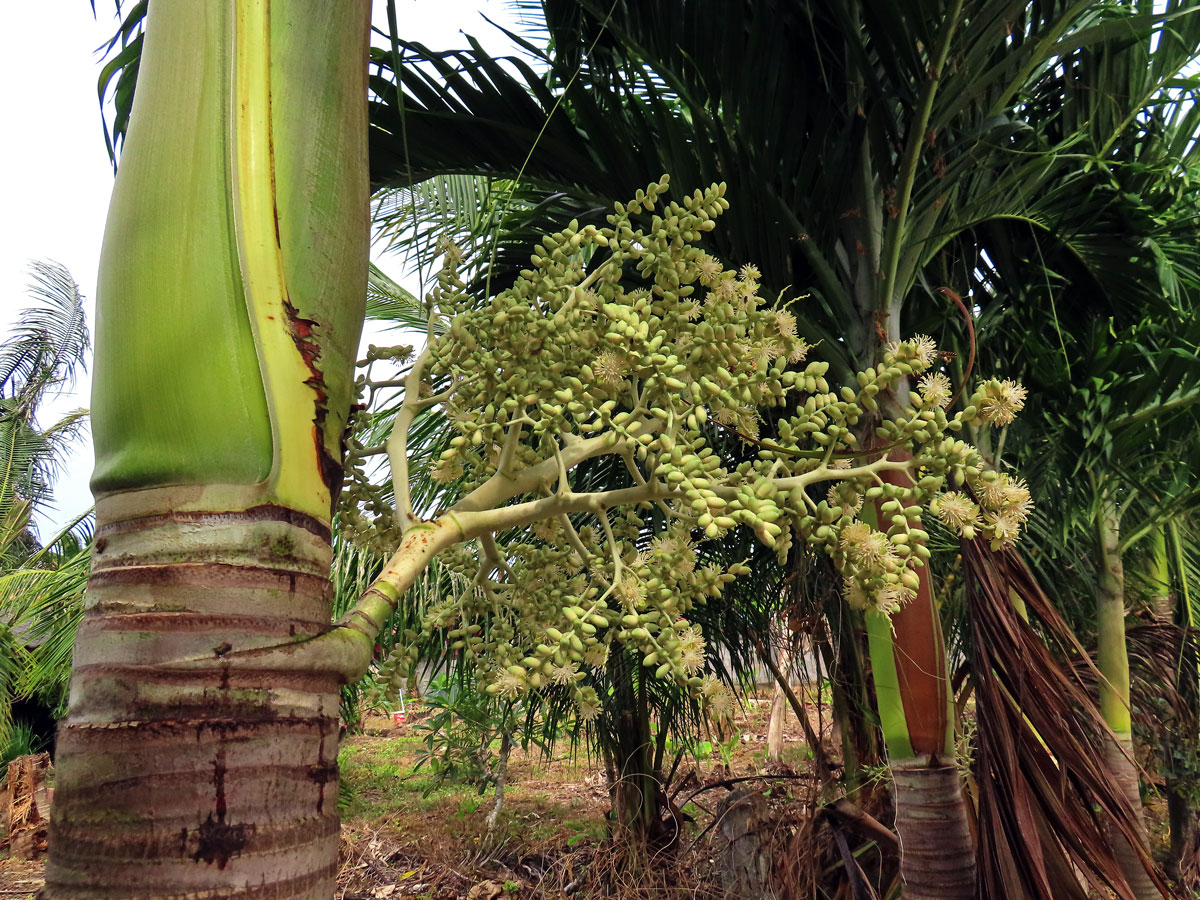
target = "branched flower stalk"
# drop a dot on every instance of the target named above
(631, 341)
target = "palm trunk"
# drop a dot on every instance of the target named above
(175, 773)
(199, 754)
(1181, 813)
(937, 849)
(1112, 659)
(916, 711)
(633, 784)
(779, 704)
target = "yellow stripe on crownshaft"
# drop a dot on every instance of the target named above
(295, 479)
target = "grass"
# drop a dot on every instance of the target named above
(21, 742)
(381, 784)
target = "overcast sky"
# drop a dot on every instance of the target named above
(58, 178)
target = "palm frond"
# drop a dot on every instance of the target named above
(50, 340)
(1048, 808)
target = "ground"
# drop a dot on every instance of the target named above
(405, 836)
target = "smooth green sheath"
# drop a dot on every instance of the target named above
(1112, 657)
(888, 697)
(177, 396)
(225, 286)
(321, 167)
(887, 687)
(1159, 573)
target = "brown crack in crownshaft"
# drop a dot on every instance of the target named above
(302, 331)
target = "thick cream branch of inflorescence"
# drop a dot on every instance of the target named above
(582, 403)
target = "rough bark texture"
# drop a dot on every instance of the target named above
(1182, 824)
(937, 851)
(745, 858)
(185, 768)
(1119, 756)
(779, 704)
(500, 779)
(27, 805)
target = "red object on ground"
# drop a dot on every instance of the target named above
(398, 717)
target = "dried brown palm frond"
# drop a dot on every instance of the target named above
(1158, 652)
(1049, 811)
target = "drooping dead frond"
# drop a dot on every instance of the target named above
(1049, 811)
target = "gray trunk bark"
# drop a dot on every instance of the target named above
(937, 850)
(184, 769)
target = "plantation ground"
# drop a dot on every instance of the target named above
(404, 835)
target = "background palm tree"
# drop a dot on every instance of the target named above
(874, 152)
(48, 344)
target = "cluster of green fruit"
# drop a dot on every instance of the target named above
(389, 680)
(636, 337)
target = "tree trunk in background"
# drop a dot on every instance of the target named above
(779, 704)
(916, 711)
(1180, 813)
(199, 753)
(1112, 659)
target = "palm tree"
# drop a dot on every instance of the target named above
(46, 347)
(864, 142)
(939, 192)
(48, 344)
(199, 750)
(218, 410)
(1111, 414)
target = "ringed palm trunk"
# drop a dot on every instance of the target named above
(634, 785)
(1181, 813)
(1112, 660)
(916, 711)
(198, 756)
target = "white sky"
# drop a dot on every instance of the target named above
(57, 179)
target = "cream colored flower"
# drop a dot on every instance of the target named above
(785, 323)
(446, 471)
(799, 352)
(711, 686)
(935, 390)
(868, 548)
(610, 367)
(726, 290)
(920, 351)
(855, 596)
(843, 494)
(564, 674)
(1016, 501)
(1001, 401)
(691, 650)
(510, 685)
(889, 598)
(709, 269)
(721, 704)
(631, 589)
(956, 510)
(596, 655)
(1002, 528)
(587, 705)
